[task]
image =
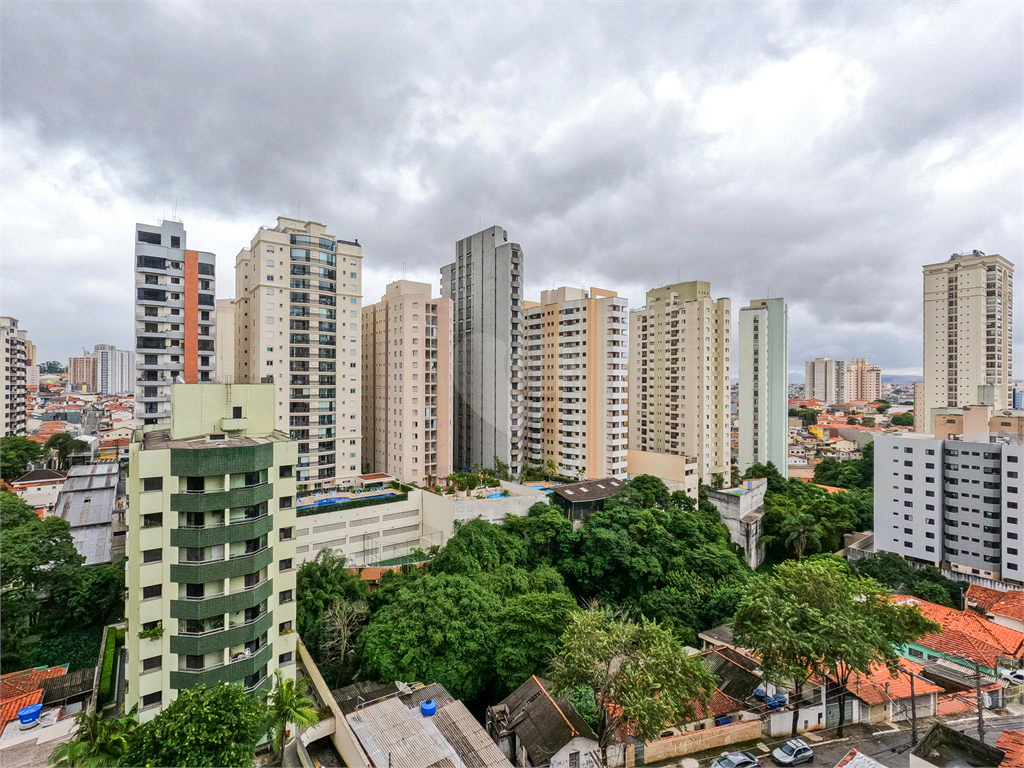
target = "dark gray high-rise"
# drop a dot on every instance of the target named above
(485, 282)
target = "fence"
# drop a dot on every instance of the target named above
(696, 741)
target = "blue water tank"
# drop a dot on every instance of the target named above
(29, 714)
(428, 708)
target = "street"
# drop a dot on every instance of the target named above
(890, 746)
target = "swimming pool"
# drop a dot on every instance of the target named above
(542, 488)
(494, 495)
(342, 500)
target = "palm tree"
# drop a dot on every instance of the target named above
(99, 741)
(288, 703)
(64, 445)
(802, 530)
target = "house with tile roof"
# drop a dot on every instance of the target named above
(1012, 743)
(882, 697)
(1005, 608)
(23, 689)
(39, 488)
(965, 636)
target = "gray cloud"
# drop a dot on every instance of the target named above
(822, 151)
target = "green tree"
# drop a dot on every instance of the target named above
(546, 528)
(893, 572)
(202, 727)
(528, 628)
(479, 546)
(288, 703)
(99, 741)
(882, 406)
(903, 419)
(438, 629)
(501, 469)
(776, 482)
(641, 671)
(16, 453)
(51, 367)
(62, 445)
(853, 421)
(15, 511)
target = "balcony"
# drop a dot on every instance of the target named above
(209, 536)
(215, 500)
(194, 645)
(217, 605)
(232, 672)
(240, 565)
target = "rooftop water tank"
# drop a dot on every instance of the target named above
(428, 708)
(28, 715)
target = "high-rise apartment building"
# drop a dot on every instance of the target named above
(968, 331)
(825, 380)
(297, 322)
(31, 365)
(174, 314)
(576, 382)
(485, 284)
(211, 513)
(679, 376)
(407, 384)
(115, 370)
(951, 503)
(83, 371)
(225, 325)
(13, 340)
(764, 385)
(863, 380)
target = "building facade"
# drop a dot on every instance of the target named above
(968, 331)
(485, 284)
(115, 370)
(576, 382)
(174, 316)
(825, 380)
(679, 376)
(951, 503)
(764, 385)
(298, 292)
(82, 371)
(14, 340)
(863, 380)
(407, 384)
(212, 518)
(225, 325)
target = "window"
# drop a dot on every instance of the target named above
(153, 238)
(574, 760)
(285, 502)
(155, 590)
(152, 555)
(236, 412)
(285, 565)
(285, 534)
(152, 484)
(153, 662)
(194, 591)
(154, 520)
(284, 658)
(285, 471)
(151, 699)
(284, 597)
(283, 627)
(1012, 459)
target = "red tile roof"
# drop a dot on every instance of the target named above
(1011, 605)
(983, 596)
(965, 633)
(1012, 743)
(721, 704)
(9, 708)
(27, 680)
(880, 686)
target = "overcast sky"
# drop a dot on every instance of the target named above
(818, 151)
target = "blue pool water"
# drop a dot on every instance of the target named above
(322, 502)
(493, 495)
(542, 488)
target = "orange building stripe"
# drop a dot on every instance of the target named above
(191, 319)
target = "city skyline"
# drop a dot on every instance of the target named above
(846, 109)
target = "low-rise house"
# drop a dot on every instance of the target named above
(879, 697)
(532, 727)
(1005, 608)
(1012, 744)
(944, 747)
(39, 488)
(88, 501)
(578, 500)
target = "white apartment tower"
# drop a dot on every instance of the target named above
(576, 382)
(407, 384)
(115, 370)
(14, 342)
(298, 293)
(968, 332)
(174, 316)
(679, 376)
(764, 385)
(825, 380)
(485, 284)
(863, 380)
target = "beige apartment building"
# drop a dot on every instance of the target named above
(825, 380)
(298, 293)
(407, 384)
(679, 376)
(968, 332)
(576, 382)
(863, 380)
(224, 322)
(83, 370)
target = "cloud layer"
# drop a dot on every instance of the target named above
(817, 151)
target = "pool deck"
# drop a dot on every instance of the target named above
(332, 498)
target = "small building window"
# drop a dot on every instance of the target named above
(152, 699)
(154, 590)
(152, 484)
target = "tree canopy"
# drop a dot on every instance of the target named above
(902, 419)
(16, 453)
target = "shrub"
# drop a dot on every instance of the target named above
(107, 673)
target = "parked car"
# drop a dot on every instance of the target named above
(793, 752)
(737, 760)
(1015, 676)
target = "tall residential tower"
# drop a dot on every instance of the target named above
(298, 295)
(825, 380)
(679, 377)
(174, 316)
(407, 384)
(14, 340)
(968, 332)
(485, 284)
(764, 385)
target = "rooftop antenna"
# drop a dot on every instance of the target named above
(298, 210)
(174, 216)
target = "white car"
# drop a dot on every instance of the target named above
(1015, 676)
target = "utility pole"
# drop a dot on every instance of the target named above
(977, 688)
(913, 712)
